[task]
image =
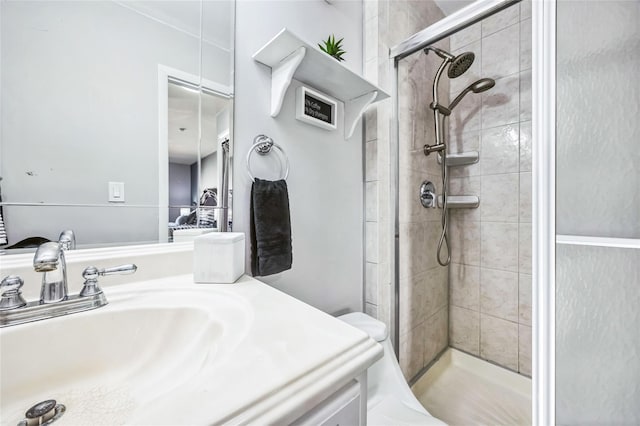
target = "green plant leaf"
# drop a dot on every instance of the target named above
(333, 47)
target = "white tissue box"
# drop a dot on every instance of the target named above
(183, 235)
(218, 257)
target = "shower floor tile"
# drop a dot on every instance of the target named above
(460, 389)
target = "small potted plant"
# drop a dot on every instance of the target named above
(333, 47)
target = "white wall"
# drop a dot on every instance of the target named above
(209, 172)
(325, 181)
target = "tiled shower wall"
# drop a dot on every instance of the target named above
(423, 284)
(490, 273)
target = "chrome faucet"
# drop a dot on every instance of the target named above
(49, 259)
(67, 239)
(54, 299)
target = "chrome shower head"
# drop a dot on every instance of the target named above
(460, 64)
(479, 86)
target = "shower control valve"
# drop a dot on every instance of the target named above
(428, 196)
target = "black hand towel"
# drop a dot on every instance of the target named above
(271, 250)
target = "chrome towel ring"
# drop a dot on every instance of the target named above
(262, 145)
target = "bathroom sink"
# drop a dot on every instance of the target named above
(113, 364)
(167, 351)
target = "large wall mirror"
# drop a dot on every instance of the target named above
(116, 120)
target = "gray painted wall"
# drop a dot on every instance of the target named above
(80, 109)
(325, 181)
(179, 188)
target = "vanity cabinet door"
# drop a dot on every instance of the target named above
(340, 409)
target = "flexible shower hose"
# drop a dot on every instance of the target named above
(443, 236)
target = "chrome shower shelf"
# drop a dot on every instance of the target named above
(461, 201)
(461, 159)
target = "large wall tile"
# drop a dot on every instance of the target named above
(525, 197)
(371, 201)
(500, 53)
(499, 294)
(371, 161)
(524, 350)
(498, 199)
(500, 150)
(371, 310)
(466, 36)
(436, 291)
(500, 246)
(432, 232)
(464, 329)
(413, 254)
(371, 249)
(411, 302)
(500, 105)
(525, 9)
(500, 20)
(436, 335)
(524, 295)
(371, 283)
(371, 124)
(464, 238)
(525, 96)
(464, 285)
(525, 146)
(463, 142)
(371, 35)
(524, 248)
(411, 354)
(525, 44)
(466, 115)
(499, 341)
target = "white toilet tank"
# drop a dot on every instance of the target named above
(389, 398)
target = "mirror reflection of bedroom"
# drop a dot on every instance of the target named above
(199, 160)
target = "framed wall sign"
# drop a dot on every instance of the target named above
(315, 108)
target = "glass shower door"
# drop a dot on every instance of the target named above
(598, 212)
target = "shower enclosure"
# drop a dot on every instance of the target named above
(564, 315)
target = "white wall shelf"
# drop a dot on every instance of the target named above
(290, 57)
(460, 159)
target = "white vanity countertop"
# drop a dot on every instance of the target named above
(271, 358)
(289, 358)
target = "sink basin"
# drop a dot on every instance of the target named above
(167, 351)
(113, 364)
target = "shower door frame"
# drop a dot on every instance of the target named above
(543, 181)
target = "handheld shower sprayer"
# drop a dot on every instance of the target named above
(479, 86)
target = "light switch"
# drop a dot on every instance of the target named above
(116, 192)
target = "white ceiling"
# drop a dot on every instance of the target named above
(183, 113)
(450, 6)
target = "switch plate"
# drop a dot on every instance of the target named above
(116, 192)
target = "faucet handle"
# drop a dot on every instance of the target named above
(10, 293)
(91, 274)
(67, 240)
